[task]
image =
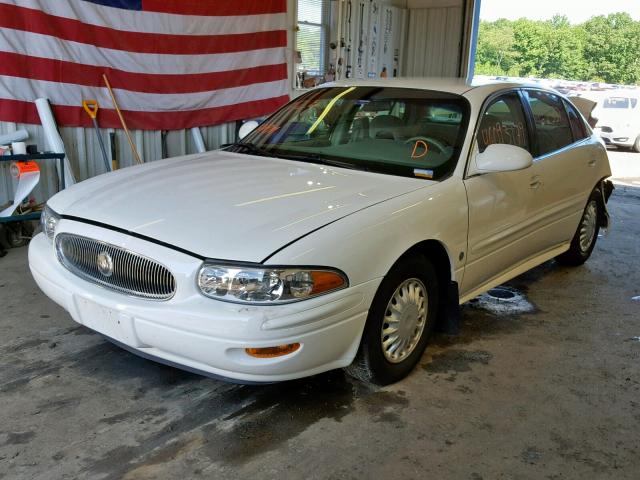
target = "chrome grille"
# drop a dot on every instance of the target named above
(130, 273)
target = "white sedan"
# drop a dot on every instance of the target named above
(337, 234)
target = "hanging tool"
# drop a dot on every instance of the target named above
(349, 10)
(360, 57)
(115, 165)
(340, 42)
(91, 107)
(124, 124)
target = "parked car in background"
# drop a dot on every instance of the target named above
(338, 233)
(619, 120)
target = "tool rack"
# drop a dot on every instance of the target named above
(27, 158)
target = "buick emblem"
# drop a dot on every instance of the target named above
(105, 264)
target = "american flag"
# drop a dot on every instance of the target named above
(173, 64)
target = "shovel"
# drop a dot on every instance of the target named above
(91, 107)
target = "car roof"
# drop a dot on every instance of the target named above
(458, 86)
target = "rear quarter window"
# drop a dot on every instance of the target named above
(579, 129)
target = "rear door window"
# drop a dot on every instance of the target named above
(552, 127)
(503, 122)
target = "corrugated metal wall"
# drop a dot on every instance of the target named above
(434, 42)
(86, 160)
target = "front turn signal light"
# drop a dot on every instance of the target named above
(272, 352)
(324, 281)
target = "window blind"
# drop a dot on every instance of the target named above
(311, 38)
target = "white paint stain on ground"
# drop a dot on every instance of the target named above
(503, 301)
(636, 298)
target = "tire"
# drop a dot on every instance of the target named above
(586, 235)
(410, 278)
(636, 146)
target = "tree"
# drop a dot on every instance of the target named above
(532, 47)
(605, 48)
(496, 52)
(565, 53)
(613, 48)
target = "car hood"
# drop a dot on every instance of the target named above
(227, 205)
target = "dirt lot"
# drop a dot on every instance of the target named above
(550, 394)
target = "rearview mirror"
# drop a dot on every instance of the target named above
(247, 128)
(501, 157)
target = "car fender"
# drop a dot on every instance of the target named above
(366, 244)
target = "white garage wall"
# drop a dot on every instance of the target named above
(435, 35)
(435, 40)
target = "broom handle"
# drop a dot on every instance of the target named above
(124, 124)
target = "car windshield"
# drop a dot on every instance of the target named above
(397, 131)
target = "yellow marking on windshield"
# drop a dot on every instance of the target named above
(327, 109)
(284, 195)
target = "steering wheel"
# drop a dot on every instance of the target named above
(430, 141)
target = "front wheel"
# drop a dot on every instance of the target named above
(585, 237)
(400, 321)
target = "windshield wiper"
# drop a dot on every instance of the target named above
(250, 147)
(314, 158)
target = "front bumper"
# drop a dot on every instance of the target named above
(617, 139)
(201, 334)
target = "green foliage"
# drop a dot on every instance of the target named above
(601, 49)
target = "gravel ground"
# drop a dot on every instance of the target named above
(549, 394)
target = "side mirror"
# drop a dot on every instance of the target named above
(247, 128)
(501, 157)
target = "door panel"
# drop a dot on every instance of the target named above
(564, 195)
(499, 224)
(500, 203)
(564, 165)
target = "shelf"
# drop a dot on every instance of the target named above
(32, 156)
(21, 218)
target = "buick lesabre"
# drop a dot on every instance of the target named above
(337, 234)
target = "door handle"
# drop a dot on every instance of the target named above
(535, 182)
(592, 162)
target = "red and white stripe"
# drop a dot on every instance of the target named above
(168, 70)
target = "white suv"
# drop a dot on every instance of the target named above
(619, 121)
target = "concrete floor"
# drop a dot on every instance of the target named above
(551, 394)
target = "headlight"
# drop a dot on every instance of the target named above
(267, 285)
(49, 221)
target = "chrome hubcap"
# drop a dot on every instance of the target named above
(588, 226)
(404, 320)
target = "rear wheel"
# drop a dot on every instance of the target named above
(586, 236)
(400, 321)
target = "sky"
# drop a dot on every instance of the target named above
(576, 10)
